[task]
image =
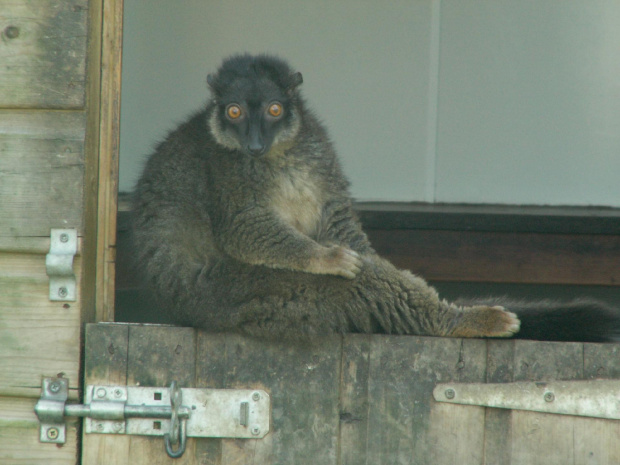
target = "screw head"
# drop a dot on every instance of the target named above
(549, 396)
(54, 387)
(101, 393)
(256, 396)
(99, 427)
(64, 237)
(255, 430)
(450, 393)
(52, 433)
(63, 292)
(118, 393)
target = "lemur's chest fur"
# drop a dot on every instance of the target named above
(297, 199)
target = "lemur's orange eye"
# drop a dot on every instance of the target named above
(233, 111)
(275, 109)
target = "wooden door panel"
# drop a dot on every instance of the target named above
(358, 398)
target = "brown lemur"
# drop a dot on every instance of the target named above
(243, 222)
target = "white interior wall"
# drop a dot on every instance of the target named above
(472, 101)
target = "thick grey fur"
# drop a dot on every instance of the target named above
(249, 227)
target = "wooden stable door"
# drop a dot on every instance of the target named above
(357, 399)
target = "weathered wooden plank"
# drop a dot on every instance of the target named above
(37, 337)
(19, 433)
(521, 437)
(303, 382)
(105, 362)
(211, 369)
(43, 53)
(406, 425)
(41, 172)
(538, 438)
(110, 106)
(498, 422)
(159, 355)
(354, 402)
(503, 257)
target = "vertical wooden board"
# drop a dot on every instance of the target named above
(521, 437)
(405, 424)
(106, 348)
(105, 363)
(19, 436)
(538, 438)
(597, 440)
(498, 422)
(303, 382)
(38, 337)
(354, 402)
(43, 53)
(542, 439)
(211, 369)
(157, 356)
(41, 172)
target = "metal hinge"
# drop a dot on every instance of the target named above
(174, 413)
(59, 264)
(592, 398)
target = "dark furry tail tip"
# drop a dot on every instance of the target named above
(578, 321)
(581, 320)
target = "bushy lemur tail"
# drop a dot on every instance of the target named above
(580, 320)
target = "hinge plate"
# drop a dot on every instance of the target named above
(590, 398)
(217, 413)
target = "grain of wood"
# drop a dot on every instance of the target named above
(43, 54)
(354, 401)
(105, 363)
(156, 357)
(38, 337)
(303, 382)
(406, 425)
(104, 130)
(19, 430)
(503, 257)
(41, 172)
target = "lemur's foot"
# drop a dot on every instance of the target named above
(482, 321)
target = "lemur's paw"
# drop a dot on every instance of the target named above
(482, 321)
(338, 260)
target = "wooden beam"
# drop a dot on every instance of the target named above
(102, 148)
(503, 257)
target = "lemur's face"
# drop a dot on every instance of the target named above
(255, 109)
(254, 115)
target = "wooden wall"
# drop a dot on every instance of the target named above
(50, 128)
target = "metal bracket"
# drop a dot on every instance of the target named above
(59, 264)
(50, 410)
(592, 398)
(173, 413)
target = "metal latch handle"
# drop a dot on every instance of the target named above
(178, 430)
(52, 409)
(173, 413)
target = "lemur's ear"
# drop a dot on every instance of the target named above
(212, 82)
(294, 80)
